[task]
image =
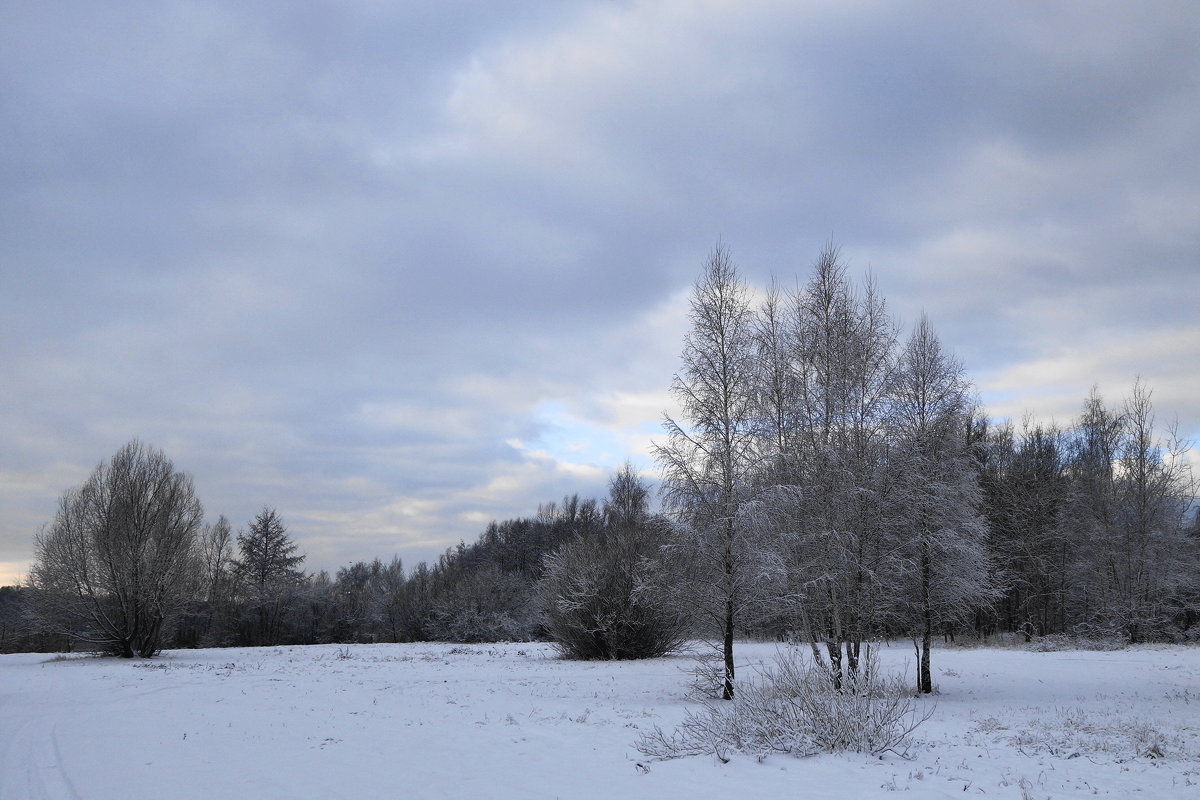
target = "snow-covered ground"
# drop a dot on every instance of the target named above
(475, 721)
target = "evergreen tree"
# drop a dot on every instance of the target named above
(268, 553)
(267, 575)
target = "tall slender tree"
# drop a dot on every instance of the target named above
(709, 458)
(830, 511)
(942, 535)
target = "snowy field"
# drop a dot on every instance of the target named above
(482, 721)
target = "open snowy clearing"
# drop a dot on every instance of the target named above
(512, 720)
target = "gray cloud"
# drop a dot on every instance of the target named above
(399, 269)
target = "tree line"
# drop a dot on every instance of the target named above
(128, 567)
(829, 479)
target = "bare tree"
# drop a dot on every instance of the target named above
(777, 390)
(390, 591)
(947, 572)
(216, 550)
(1132, 490)
(358, 601)
(827, 507)
(120, 557)
(207, 619)
(710, 455)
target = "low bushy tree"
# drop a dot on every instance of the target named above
(602, 595)
(120, 559)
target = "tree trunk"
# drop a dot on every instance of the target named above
(727, 693)
(835, 664)
(853, 649)
(925, 680)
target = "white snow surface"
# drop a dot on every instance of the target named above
(514, 720)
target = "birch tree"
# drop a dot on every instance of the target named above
(709, 457)
(1158, 567)
(943, 535)
(831, 511)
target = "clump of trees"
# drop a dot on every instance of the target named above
(836, 482)
(1096, 523)
(128, 567)
(821, 469)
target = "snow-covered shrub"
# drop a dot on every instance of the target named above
(796, 708)
(1061, 641)
(603, 594)
(707, 676)
(602, 597)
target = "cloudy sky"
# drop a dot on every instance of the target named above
(397, 269)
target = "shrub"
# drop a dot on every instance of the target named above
(1056, 642)
(707, 676)
(602, 598)
(798, 709)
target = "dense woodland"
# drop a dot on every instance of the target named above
(830, 480)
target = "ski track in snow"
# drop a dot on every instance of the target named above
(512, 720)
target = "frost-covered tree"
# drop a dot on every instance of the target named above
(1132, 488)
(940, 534)
(216, 553)
(357, 601)
(390, 597)
(709, 458)
(120, 559)
(209, 616)
(482, 603)
(824, 373)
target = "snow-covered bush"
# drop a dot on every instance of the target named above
(707, 676)
(796, 708)
(603, 594)
(602, 598)
(1055, 642)
(1119, 734)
